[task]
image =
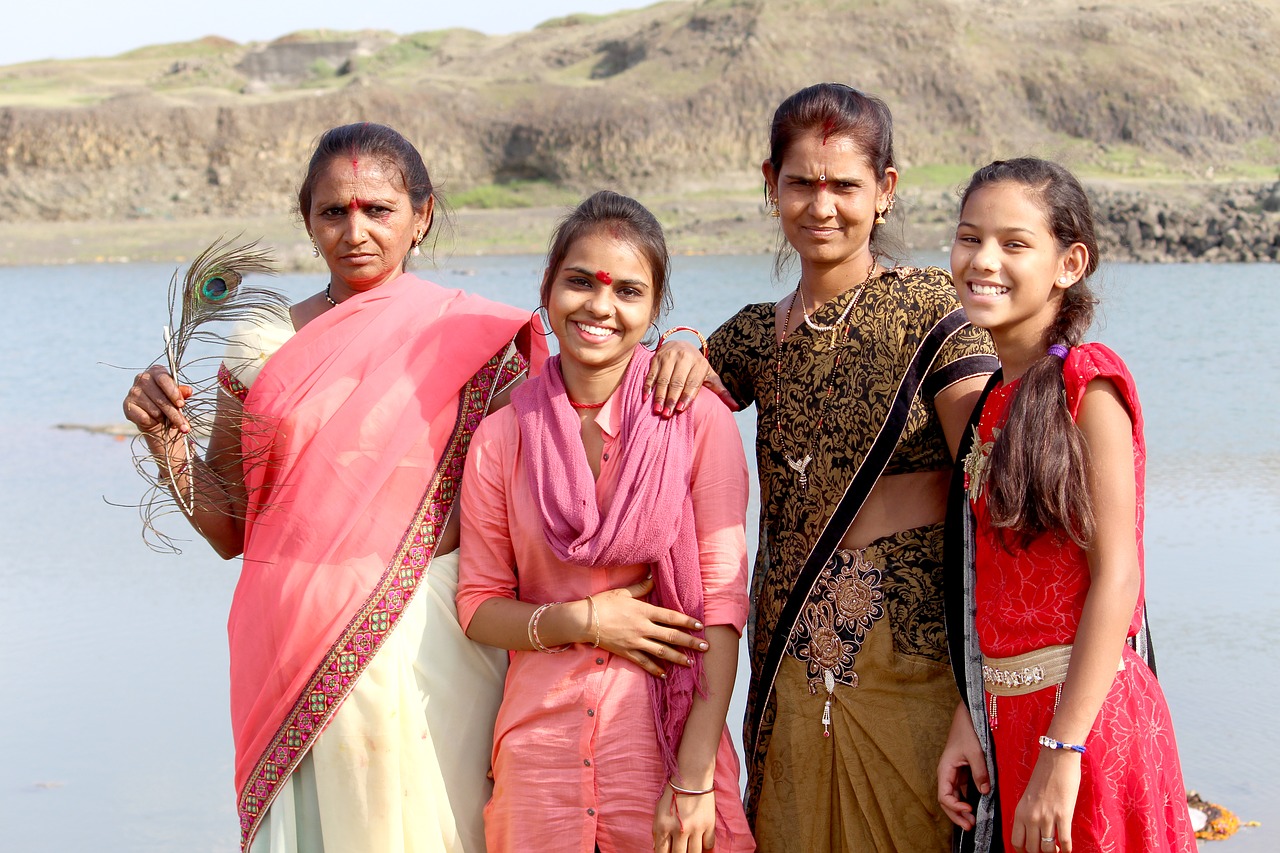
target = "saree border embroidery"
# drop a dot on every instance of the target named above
(336, 676)
(847, 601)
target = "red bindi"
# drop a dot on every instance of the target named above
(604, 277)
(355, 165)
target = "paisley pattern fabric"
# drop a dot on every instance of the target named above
(844, 382)
(1032, 595)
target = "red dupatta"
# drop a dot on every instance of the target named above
(361, 423)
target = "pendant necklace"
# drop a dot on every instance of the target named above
(795, 463)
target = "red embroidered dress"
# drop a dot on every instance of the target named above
(1131, 791)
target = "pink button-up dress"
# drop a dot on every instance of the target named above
(575, 753)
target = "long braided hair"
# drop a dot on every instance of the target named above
(1038, 479)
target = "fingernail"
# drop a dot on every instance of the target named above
(649, 576)
(664, 675)
(697, 626)
(667, 412)
(702, 647)
(688, 661)
(657, 407)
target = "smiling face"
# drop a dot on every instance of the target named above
(828, 198)
(363, 222)
(601, 302)
(1009, 271)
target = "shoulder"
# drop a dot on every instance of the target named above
(497, 433)
(1091, 361)
(924, 292)
(711, 416)
(750, 320)
(252, 341)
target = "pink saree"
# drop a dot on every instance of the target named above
(362, 423)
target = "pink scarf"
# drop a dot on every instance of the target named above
(649, 521)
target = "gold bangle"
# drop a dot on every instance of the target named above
(662, 339)
(595, 620)
(688, 792)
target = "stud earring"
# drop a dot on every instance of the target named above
(1062, 279)
(315, 250)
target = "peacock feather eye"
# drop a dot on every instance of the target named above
(218, 286)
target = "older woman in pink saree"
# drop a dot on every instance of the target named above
(362, 715)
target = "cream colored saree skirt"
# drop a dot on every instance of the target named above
(403, 766)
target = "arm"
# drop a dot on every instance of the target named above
(693, 827)
(719, 488)
(962, 759)
(490, 612)
(954, 405)
(1114, 579)
(154, 404)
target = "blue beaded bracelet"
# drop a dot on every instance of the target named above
(1049, 742)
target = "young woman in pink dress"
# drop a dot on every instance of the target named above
(1081, 737)
(598, 539)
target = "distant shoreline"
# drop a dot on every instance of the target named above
(1236, 222)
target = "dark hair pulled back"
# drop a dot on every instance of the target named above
(365, 140)
(834, 109)
(1038, 478)
(623, 218)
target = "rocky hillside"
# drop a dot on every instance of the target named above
(673, 98)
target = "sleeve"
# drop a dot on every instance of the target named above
(486, 556)
(732, 349)
(968, 353)
(249, 344)
(1098, 361)
(720, 487)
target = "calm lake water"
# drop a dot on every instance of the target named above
(114, 729)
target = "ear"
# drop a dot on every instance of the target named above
(888, 185)
(770, 179)
(427, 215)
(1072, 266)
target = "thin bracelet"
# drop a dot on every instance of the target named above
(534, 639)
(706, 353)
(595, 619)
(688, 792)
(1050, 743)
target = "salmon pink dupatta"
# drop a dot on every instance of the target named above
(357, 428)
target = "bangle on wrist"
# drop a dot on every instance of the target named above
(595, 620)
(534, 639)
(706, 353)
(689, 792)
(1050, 743)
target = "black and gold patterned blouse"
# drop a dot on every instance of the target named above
(860, 372)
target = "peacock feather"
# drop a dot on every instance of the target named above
(205, 305)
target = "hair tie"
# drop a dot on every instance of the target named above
(1059, 350)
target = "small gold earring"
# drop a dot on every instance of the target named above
(773, 208)
(879, 216)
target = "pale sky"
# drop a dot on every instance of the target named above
(71, 29)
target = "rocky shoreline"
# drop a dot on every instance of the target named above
(1173, 223)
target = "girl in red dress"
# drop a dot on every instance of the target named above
(1070, 719)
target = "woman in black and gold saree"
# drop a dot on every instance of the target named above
(863, 378)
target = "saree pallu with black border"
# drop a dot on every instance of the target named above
(361, 424)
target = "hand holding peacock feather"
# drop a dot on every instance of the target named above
(203, 306)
